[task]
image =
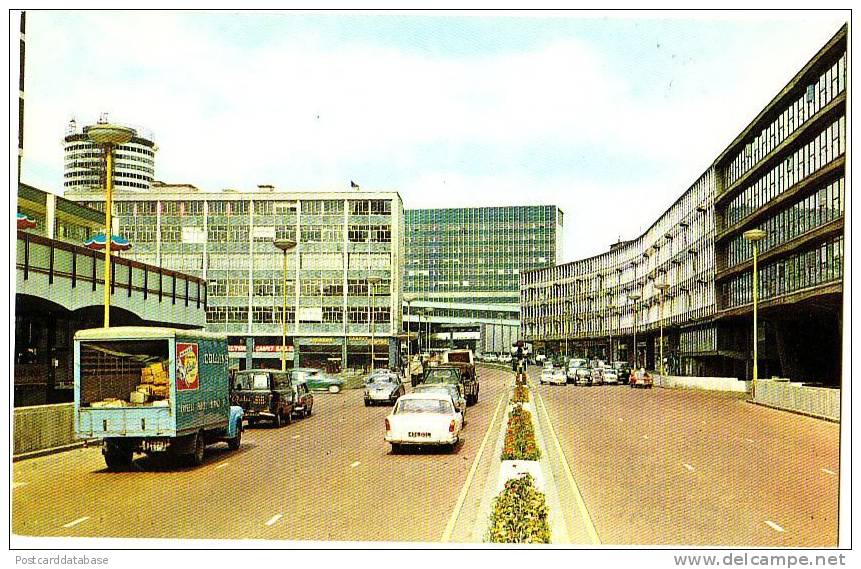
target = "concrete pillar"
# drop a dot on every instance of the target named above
(249, 348)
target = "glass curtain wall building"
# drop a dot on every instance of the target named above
(784, 174)
(463, 267)
(344, 238)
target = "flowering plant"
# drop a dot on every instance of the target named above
(519, 514)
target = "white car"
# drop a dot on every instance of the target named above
(555, 376)
(423, 419)
(610, 376)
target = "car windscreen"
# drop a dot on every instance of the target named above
(423, 406)
(443, 376)
(251, 380)
(444, 389)
(381, 379)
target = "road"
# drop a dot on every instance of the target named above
(653, 467)
(329, 477)
(684, 467)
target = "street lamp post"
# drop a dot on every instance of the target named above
(754, 236)
(408, 298)
(634, 297)
(428, 312)
(610, 308)
(662, 286)
(285, 245)
(108, 136)
(372, 289)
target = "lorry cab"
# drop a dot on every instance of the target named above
(265, 394)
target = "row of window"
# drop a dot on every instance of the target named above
(819, 265)
(698, 340)
(71, 148)
(310, 315)
(118, 183)
(830, 144)
(814, 211)
(817, 95)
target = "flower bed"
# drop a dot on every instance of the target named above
(519, 514)
(520, 441)
(521, 394)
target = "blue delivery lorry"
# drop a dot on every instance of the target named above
(153, 390)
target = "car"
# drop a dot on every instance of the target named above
(423, 419)
(609, 375)
(317, 379)
(548, 365)
(641, 378)
(303, 399)
(623, 371)
(447, 373)
(383, 388)
(505, 358)
(555, 376)
(265, 394)
(597, 376)
(578, 373)
(546, 374)
(454, 391)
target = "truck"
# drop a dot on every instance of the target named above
(153, 390)
(464, 360)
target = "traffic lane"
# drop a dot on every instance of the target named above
(329, 477)
(64, 487)
(684, 467)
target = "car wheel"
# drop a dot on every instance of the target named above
(396, 448)
(196, 457)
(334, 388)
(288, 418)
(252, 422)
(234, 443)
(309, 410)
(276, 422)
(367, 403)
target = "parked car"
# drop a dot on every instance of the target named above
(546, 374)
(597, 376)
(641, 378)
(317, 379)
(505, 358)
(578, 373)
(383, 388)
(609, 376)
(454, 391)
(423, 419)
(265, 394)
(623, 371)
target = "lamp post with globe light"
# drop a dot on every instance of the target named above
(108, 137)
(662, 286)
(373, 281)
(285, 245)
(634, 297)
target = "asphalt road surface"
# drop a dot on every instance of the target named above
(328, 477)
(684, 467)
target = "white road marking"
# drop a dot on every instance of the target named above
(355, 464)
(688, 466)
(222, 465)
(621, 419)
(76, 522)
(19, 484)
(825, 470)
(774, 526)
(274, 519)
(749, 440)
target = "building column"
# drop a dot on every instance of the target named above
(249, 349)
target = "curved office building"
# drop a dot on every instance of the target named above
(134, 166)
(784, 174)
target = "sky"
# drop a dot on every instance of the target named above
(610, 116)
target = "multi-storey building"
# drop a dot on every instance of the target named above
(585, 306)
(346, 241)
(784, 174)
(84, 168)
(462, 270)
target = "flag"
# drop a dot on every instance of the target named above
(354, 184)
